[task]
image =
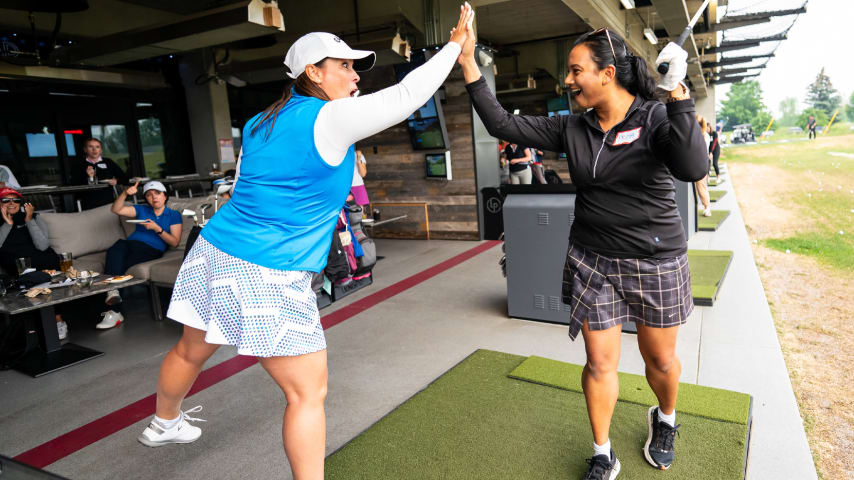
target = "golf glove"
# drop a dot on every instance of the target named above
(677, 57)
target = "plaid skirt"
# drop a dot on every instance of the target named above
(607, 292)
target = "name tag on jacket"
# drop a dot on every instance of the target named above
(102, 165)
(627, 137)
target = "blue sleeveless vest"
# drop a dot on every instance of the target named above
(285, 204)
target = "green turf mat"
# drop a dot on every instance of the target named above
(708, 270)
(698, 400)
(714, 182)
(710, 224)
(474, 422)
(715, 195)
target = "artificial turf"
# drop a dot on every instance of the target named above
(708, 269)
(698, 400)
(710, 224)
(714, 182)
(715, 195)
(474, 422)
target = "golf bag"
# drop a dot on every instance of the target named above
(369, 249)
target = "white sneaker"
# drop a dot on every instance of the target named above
(62, 330)
(707, 212)
(113, 297)
(111, 319)
(155, 435)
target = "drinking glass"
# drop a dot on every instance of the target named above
(22, 264)
(65, 261)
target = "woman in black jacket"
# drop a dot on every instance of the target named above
(627, 252)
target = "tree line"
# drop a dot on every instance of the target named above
(743, 104)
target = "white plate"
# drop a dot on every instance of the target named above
(136, 221)
(113, 280)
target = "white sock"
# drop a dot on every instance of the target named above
(668, 419)
(167, 424)
(602, 449)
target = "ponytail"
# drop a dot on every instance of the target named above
(633, 73)
(644, 84)
(303, 86)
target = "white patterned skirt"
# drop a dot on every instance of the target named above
(263, 311)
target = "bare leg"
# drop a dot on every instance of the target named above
(180, 369)
(303, 380)
(663, 368)
(599, 378)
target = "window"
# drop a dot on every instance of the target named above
(114, 143)
(29, 150)
(151, 138)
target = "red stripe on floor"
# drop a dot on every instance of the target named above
(363, 304)
(66, 444)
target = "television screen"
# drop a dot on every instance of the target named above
(41, 145)
(425, 127)
(436, 166)
(426, 134)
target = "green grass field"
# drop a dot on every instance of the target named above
(819, 175)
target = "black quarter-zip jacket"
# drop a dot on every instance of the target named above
(625, 205)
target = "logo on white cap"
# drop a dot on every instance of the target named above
(315, 46)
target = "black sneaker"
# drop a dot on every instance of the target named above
(601, 467)
(659, 444)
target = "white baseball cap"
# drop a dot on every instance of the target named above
(315, 46)
(153, 185)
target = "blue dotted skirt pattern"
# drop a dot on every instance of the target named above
(263, 311)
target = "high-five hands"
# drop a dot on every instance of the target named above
(461, 33)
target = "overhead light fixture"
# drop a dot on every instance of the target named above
(628, 4)
(650, 35)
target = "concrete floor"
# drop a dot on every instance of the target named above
(381, 357)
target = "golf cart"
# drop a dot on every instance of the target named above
(743, 134)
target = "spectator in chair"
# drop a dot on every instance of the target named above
(92, 169)
(24, 235)
(160, 230)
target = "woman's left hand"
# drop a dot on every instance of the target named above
(150, 225)
(29, 209)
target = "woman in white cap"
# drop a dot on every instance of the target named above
(160, 229)
(247, 280)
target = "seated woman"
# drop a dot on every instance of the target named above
(160, 230)
(24, 235)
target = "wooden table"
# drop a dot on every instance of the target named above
(50, 355)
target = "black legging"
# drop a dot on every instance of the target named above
(125, 254)
(811, 135)
(716, 154)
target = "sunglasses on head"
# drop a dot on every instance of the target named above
(16, 200)
(605, 29)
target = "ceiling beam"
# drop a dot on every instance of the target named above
(205, 29)
(722, 80)
(735, 60)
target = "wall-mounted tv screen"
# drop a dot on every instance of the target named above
(427, 127)
(436, 165)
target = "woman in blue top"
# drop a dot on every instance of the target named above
(160, 229)
(247, 280)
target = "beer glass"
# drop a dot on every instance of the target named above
(65, 261)
(22, 264)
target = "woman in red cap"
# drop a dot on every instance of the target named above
(24, 235)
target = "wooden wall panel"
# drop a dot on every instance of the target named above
(397, 173)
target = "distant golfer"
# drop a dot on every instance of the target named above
(627, 252)
(811, 124)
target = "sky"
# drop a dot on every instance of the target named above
(815, 41)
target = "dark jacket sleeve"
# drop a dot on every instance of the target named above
(117, 172)
(78, 172)
(677, 140)
(545, 133)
